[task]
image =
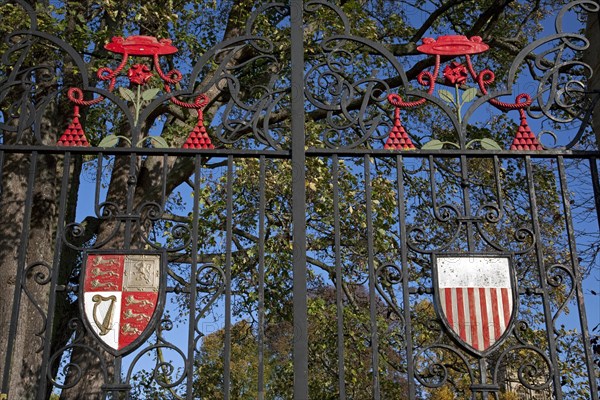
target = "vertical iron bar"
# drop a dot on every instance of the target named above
(498, 187)
(464, 168)
(118, 362)
(165, 172)
(131, 185)
(98, 185)
(405, 277)
(372, 290)
(339, 278)
(193, 279)
(229, 235)
(1, 169)
(539, 250)
(300, 350)
(21, 261)
(596, 187)
(261, 279)
(62, 210)
(575, 264)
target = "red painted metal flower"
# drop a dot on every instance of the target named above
(455, 74)
(139, 74)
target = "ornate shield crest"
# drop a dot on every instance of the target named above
(121, 297)
(475, 298)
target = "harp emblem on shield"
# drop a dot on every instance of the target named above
(106, 323)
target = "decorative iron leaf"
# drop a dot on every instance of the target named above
(150, 94)
(159, 142)
(109, 141)
(127, 94)
(489, 144)
(433, 145)
(446, 96)
(469, 94)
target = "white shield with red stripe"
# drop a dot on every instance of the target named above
(475, 298)
(120, 294)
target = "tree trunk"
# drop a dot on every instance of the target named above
(37, 248)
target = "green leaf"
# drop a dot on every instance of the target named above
(127, 94)
(433, 145)
(489, 144)
(109, 141)
(150, 94)
(159, 142)
(469, 94)
(446, 96)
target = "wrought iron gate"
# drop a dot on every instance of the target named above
(312, 233)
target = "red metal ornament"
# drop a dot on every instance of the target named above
(141, 46)
(198, 137)
(453, 45)
(398, 139)
(74, 134)
(525, 138)
(457, 74)
(138, 74)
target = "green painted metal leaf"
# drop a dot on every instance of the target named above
(109, 141)
(150, 94)
(446, 96)
(127, 94)
(159, 142)
(489, 144)
(469, 94)
(433, 145)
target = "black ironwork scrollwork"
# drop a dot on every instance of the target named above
(162, 372)
(210, 283)
(561, 278)
(150, 216)
(432, 371)
(352, 104)
(73, 372)
(523, 237)
(251, 109)
(257, 110)
(531, 375)
(41, 272)
(387, 277)
(76, 235)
